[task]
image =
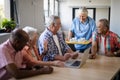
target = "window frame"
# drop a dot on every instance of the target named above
(12, 14)
(51, 11)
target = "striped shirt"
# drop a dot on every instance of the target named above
(111, 41)
(52, 49)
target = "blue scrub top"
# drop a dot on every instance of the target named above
(83, 30)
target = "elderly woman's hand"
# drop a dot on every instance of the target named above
(58, 63)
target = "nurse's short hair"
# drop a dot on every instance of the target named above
(83, 10)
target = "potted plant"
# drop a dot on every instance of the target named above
(8, 25)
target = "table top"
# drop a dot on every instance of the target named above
(101, 68)
(78, 42)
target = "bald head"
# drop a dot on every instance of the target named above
(19, 38)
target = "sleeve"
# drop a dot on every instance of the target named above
(94, 36)
(51, 52)
(41, 45)
(28, 60)
(49, 57)
(93, 24)
(72, 26)
(52, 57)
(66, 47)
(63, 44)
(5, 58)
(118, 41)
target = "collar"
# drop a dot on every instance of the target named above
(87, 21)
(107, 34)
(49, 32)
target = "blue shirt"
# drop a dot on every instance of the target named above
(83, 30)
(52, 50)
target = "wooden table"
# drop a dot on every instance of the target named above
(102, 68)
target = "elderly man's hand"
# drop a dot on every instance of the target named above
(67, 56)
(109, 54)
(74, 55)
(92, 56)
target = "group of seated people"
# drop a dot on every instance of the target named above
(20, 57)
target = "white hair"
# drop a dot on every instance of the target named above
(30, 31)
(83, 10)
(51, 20)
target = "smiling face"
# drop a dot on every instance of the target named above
(102, 26)
(83, 14)
(56, 25)
(83, 17)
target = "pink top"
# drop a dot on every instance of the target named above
(9, 55)
(28, 57)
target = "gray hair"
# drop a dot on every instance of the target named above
(51, 20)
(30, 31)
(83, 10)
(105, 22)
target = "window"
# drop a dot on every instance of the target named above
(50, 8)
(2, 12)
(8, 13)
(56, 7)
